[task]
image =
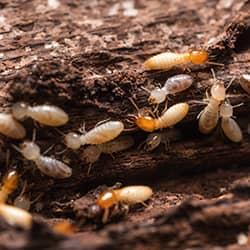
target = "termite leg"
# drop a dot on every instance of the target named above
(105, 215)
(82, 128)
(145, 89)
(199, 115)
(165, 107)
(144, 204)
(230, 83)
(89, 169)
(101, 122)
(48, 149)
(166, 145)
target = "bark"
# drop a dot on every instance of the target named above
(89, 62)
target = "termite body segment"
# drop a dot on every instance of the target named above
(10, 127)
(210, 115)
(245, 82)
(169, 118)
(229, 126)
(169, 60)
(129, 195)
(92, 153)
(9, 185)
(45, 114)
(47, 165)
(16, 216)
(173, 85)
(98, 135)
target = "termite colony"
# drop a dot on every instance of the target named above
(107, 137)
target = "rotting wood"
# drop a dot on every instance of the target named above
(91, 68)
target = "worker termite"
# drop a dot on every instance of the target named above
(47, 165)
(173, 85)
(98, 135)
(10, 127)
(44, 114)
(9, 185)
(209, 116)
(155, 139)
(169, 60)
(128, 195)
(229, 126)
(245, 82)
(13, 215)
(169, 118)
(93, 152)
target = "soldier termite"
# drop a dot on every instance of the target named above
(172, 86)
(98, 135)
(44, 114)
(10, 127)
(47, 165)
(208, 118)
(155, 139)
(9, 185)
(13, 215)
(245, 82)
(229, 126)
(92, 153)
(128, 195)
(169, 118)
(169, 60)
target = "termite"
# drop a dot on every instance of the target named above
(173, 85)
(209, 116)
(10, 127)
(44, 114)
(155, 139)
(16, 216)
(245, 82)
(169, 60)
(128, 195)
(9, 185)
(47, 165)
(229, 126)
(92, 153)
(13, 215)
(169, 118)
(98, 135)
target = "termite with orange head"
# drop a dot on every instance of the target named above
(229, 126)
(44, 114)
(13, 215)
(209, 116)
(98, 135)
(10, 127)
(10, 182)
(47, 165)
(129, 195)
(169, 118)
(169, 60)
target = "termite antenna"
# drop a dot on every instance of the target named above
(16, 148)
(238, 105)
(214, 63)
(48, 149)
(134, 104)
(59, 132)
(213, 73)
(231, 81)
(147, 90)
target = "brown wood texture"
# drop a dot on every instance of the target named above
(88, 60)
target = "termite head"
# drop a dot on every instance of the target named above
(107, 199)
(198, 57)
(10, 180)
(157, 96)
(152, 142)
(226, 110)
(30, 150)
(72, 140)
(218, 91)
(19, 110)
(91, 154)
